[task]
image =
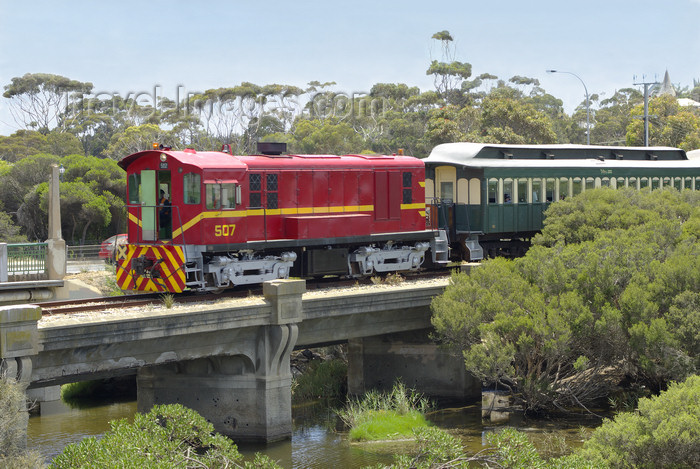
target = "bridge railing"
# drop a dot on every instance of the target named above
(23, 261)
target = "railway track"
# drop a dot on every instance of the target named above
(109, 303)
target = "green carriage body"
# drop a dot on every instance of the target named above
(491, 199)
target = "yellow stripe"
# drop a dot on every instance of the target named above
(261, 211)
(421, 183)
(422, 213)
(412, 206)
(134, 219)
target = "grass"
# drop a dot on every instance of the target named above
(388, 425)
(385, 416)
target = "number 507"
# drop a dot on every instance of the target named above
(224, 230)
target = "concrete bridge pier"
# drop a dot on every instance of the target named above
(376, 362)
(19, 342)
(246, 394)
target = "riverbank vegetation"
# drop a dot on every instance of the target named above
(385, 416)
(663, 432)
(321, 379)
(607, 299)
(13, 421)
(166, 437)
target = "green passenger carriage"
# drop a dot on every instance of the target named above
(491, 199)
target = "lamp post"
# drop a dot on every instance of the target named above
(588, 105)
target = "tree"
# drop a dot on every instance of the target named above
(507, 118)
(135, 139)
(315, 136)
(22, 177)
(606, 294)
(38, 99)
(670, 125)
(169, 436)
(664, 431)
(21, 144)
(448, 74)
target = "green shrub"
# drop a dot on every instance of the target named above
(13, 428)
(322, 380)
(663, 432)
(169, 436)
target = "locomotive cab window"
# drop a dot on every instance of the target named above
(134, 188)
(221, 195)
(192, 188)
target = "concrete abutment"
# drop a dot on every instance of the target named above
(376, 362)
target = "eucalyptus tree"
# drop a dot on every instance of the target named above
(37, 100)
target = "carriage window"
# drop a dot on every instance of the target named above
(522, 191)
(678, 183)
(563, 188)
(655, 182)
(507, 191)
(550, 190)
(493, 190)
(643, 182)
(255, 182)
(192, 193)
(447, 192)
(577, 186)
(632, 182)
(590, 183)
(667, 181)
(407, 188)
(536, 190)
(697, 184)
(134, 188)
(605, 182)
(621, 183)
(688, 183)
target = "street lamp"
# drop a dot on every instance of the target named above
(588, 105)
(61, 170)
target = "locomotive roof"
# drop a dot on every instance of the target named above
(220, 160)
(483, 154)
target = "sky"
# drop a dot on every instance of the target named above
(133, 47)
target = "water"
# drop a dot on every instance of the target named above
(316, 440)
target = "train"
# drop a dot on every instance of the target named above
(206, 221)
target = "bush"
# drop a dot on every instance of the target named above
(169, 436)
(13, 428)
(324, 379)
(663, 432)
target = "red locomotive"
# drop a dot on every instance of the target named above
(210, 220)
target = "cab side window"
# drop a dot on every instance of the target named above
(192, 188)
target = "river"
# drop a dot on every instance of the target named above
(316, 441)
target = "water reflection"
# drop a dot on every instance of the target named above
(316, 440)
(59, 425)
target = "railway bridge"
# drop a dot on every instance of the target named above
(231, 361)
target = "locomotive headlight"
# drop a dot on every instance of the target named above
(163, 157)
